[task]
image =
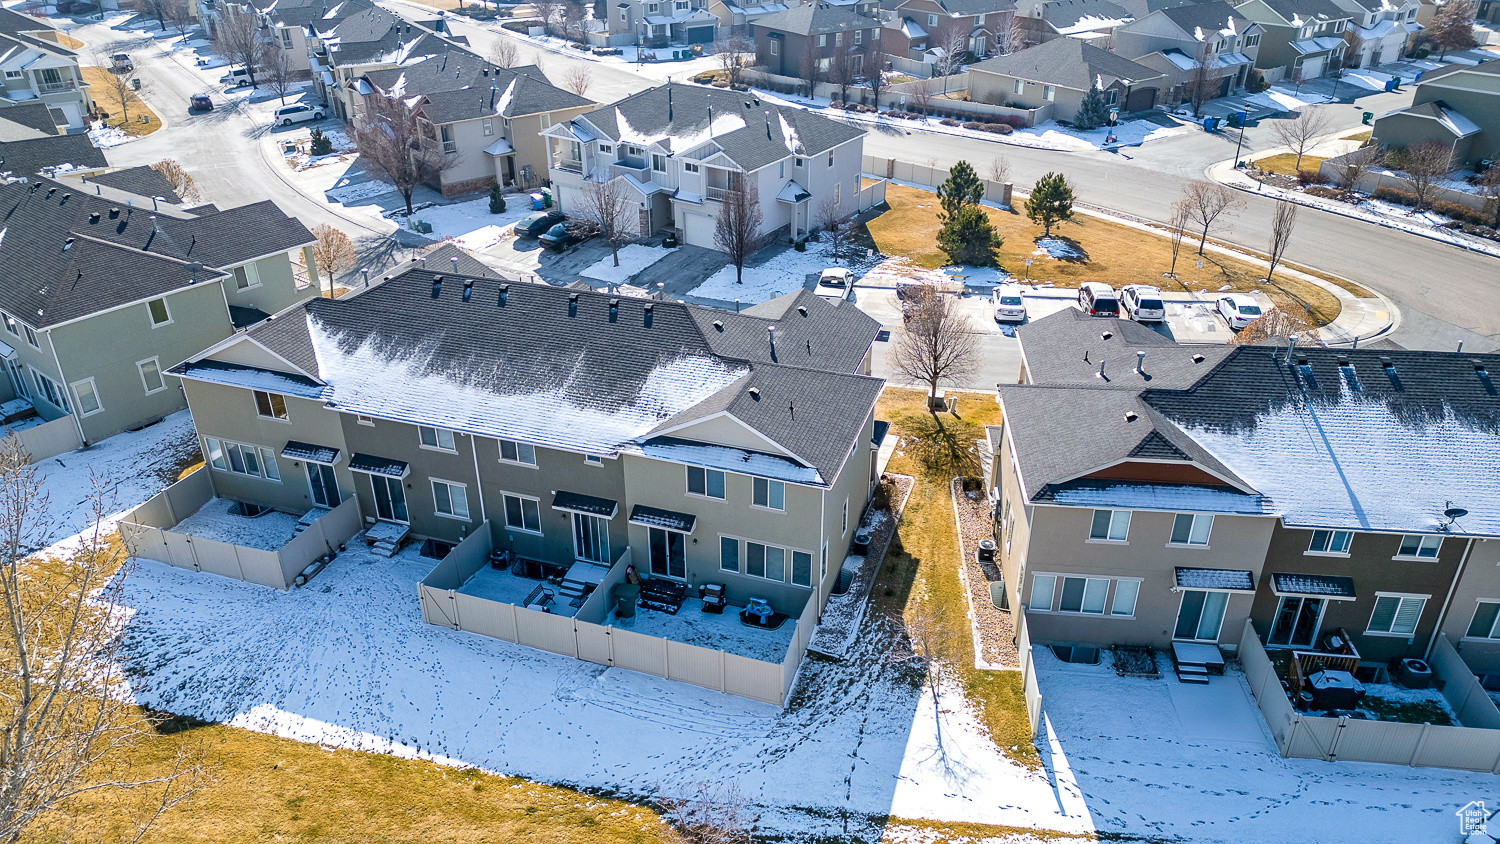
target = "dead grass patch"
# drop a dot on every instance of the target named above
(1286, 163)
(99, 79)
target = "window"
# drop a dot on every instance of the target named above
(450, 146)
(150, 370)
(838, 38)
(591, 538)
(322, 484)
(240, 459)
(932, 20)
(1049, 93)
(874, 35)
(593, 460)
(1110, 525)
(88, 398)
(1330, 542)
(522, 513)
(1020, 86)
(450, 499)
(1042, 586)
(768, 493)
(837, 191)
(1252, 40)
(1191, 529)
(1111, 97)
(769, 562)
(1295, 624)
(1420, 546)
(270, 405)
(729, 554)
(54, 393)
(243, 280)
(659, 163)
(390, 498)
(368, 421)
(1396, 615)
(706, 482)
(160, 315)
(606, 148)
(512, 451)
(31, 337)
(286, 39)
(1125, 594)
(823, 563)
(488, 125)
(1083, 594)
(438, 438)
(10, 325)
(859, 36)
(14, 74)
(830, 158)
(691, 168)
(801, 568)
(667, 553)
(1200, 615)
(1484, 625)
(796, 162)
(845, 527)
(781, 169)
(775, 46)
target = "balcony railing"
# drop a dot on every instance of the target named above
(56, 87)
(630, 168)
(567, 165)
(716, 194)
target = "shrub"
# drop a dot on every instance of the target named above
(978, 127)
(1463, 213)
(497, 200)
(706, 77)
(948, 121)
(1324, 192)
(320, 143)
(1396, 195)
(1015, 121)
(1311, 177)
(836, 104)
(998, 128)
(522, 27)
(578, 46)
(721, 83)
(608, 51)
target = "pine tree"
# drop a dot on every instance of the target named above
(320, 143)
(961, 188)
(497, 201)
(1092, 113)
(969, 238)
(1051, 201)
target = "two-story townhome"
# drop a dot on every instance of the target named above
(735, 18)
(825, 33)
(1093, 21)
(680, 149)
(104, 290)
(1380, 31)
(292, 26)
(1178, 40)
(37, 68)
(1299, 37)
(659, 23)
(487, 120)
(1186, 489)
(575, 426)
(919, 26)
(372, 39)
(1058, 73)
(1457, 106)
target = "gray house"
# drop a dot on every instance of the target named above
(1457, 106)
(575, 426)
(1303, 37)
(1059, 73)
(102, 290)
(1178, 40)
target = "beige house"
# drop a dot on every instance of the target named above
(1059, 73)
(37, 68)
(1177, 41)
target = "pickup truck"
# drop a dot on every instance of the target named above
(121, 63)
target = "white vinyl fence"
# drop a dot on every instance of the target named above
(49, 439)
(1028, 671)
(894, 169)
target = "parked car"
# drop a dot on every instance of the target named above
(835, 283)
(1008, 304)
(121, 63)
(200, 102)
(235, 78)
(1239, 310)
(535, 224)
(1098, 299)
(287, 115)
(1142, 303)
(561, 236)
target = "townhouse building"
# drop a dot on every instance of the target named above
(31, 144)
(817, 32)
(1300, 37)
(1058, 73)
(659, 23)
(1380, 30)
(1092, 21)
(371, 39)
(292, 26)
(1178, 40)
(735, 18)
(1457, 106)
(978, 27)
(1149, 493)
(680, 149)
(37, 68)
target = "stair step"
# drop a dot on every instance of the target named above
(1192, 668)
(1195, 679)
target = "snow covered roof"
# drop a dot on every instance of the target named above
(1316, 585)
(1172, 498)
(1230, 580)
(729, 459)
(1456, 124)
(656, 517)
(369, 464)
(577, 502)
(910, 29)
(1380, 30)
(1321, 44)
(792, 192)
(295, 450)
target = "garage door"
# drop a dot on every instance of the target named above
(1141, 99)
(698, 229)
(701, 34)
(1312, 68)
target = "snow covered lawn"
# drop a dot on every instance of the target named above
(105, 136)
(721, 632)
(268, 531)
(350, 194)
(1057, 249)
(784, 272)
(1052, 135)
(343, 148)
(472, 223)
(633, 259)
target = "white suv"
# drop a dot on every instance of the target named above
(1008, 304)
(1142, 303)
(287, 115)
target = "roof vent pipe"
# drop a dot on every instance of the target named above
(771, 332)
(1140, 363)
(1101, 371)
(1460, 347)
(366, 272)
(468, 288)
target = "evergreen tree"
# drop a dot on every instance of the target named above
(497, 202)
(1051, 201)
(1092, 112)
(968, 237)
(320, 143)
(962, 187)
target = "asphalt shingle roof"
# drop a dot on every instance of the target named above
(816, 19)
(1308, 10)
(462, 86)
(29, 157)
(1068, 348)
(27, 116)
(141, 181)
(1208, 18)
(1067, 63)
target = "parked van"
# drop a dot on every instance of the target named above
(1098, 299)
(236, 78)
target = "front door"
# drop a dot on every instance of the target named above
(325, 490)
(590, 538)
(1201, 615)
(668, 557)
(390, 499)
(1296, 624)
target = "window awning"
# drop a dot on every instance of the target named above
(294, 450)
(881, 429)
(369, 464)
(793, 193)
(499, 147)
(1286, 585)
(640, 514)
(1218, 580)
(589, 505)
(6, 350)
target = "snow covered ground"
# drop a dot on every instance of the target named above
(721, 632)
(343, 148)
(268, 531)
(634, 258)
(471, 222)
(1052, 135)
(784, 272)
(105, 136)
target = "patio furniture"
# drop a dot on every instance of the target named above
(713, 598)
(663, 595)
(758, 613)
(541, 598)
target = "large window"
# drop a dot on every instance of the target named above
(1110, 525)
(53, 391)
(160, 314)
(518, 452)
(667, 552)
(1330, 542)
(390, 498)
(1083, 594)
(1042, 587)
(150, 370)
(768, 493)
(245, 278)
(1200, 615)
(1296, 622)
(1191, 529)
(523, 513)
(270, 405)
(1486, 622)
(590, 538)
(241, 459)
(88, 397)
(705, 482)
(769, 562)
(1420, 546)
(450, 499)
(1396, 615)
(438, 438)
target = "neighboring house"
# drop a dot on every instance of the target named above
(1093, 21)
(486, 119)
(1457, 106)
(107, 289)
(37, 68)
(659, 23)
(1303, 37)
(679, 149)
(575, 426)
(1176, 40)
(1380, 31)
(30, 145)
(735, 20)
(1058, 73)
(1193, 487)
(822, 31)
(293, 24)
(371, 39)
(979, 27)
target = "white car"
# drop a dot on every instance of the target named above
(835, 283)
(1142, 303)
(287, 115)
(1008, 304)
(1239, 310)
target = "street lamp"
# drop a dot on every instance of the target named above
(1240, 143)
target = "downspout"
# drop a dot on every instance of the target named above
(77, 419)
(1437, 629)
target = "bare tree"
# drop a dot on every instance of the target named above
(836, 224)
(610, 207)
(238, 38)
(875, 69)
(1423, 166)
(1205, 203)
(810, 71)
(1276, 324)
(333, 252)
(1302, 133)
(578, 79)
(921, 92)
(153, 9)
(116, 88)
(1299, 76)
(1177, 231)
(999, 171)
(737, 230)
(953, 43)
(922, 638)
(504, 53)
(841, 72)
(938, 343)
(1453, 26)
(575, 18)
(1353, 166)
(1201, 86)
(551, 13)
(68, 718)
(731, 52)
(393, 145)
(1489, 188)
(706, 814)
(1283, 220)
(180, 179)
(180, 15)
(278, 71)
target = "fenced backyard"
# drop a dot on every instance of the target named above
(49, 439)
(921, 174)
(594, 635)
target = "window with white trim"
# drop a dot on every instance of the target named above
(270, 405)
(1396, 615)
(1330, 542)
(708, 483)
(1125, 595)
(830, 158)
(1420, 546)
(1083, 595)
(658, 163)
(1192, 528)
(11, 325)
(245, 277)
(768, 493)
(160, 313)
(1049, 93)
(691, 168)
(729, 554)
(488, 125)
(932, 20)
(1042, 587)
(1020, 86)
(450, 499)
(522, 512)
(53, 391)
(438, 438)
(368, 421)
(845, 523)
(241, 459)
(593, 460)
(31, 337)
(1486, 621)
(88, 397)
(151, 380)
(1110, 526)
(513, 451)
(775, 46)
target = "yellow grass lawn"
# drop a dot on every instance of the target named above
(101, 88)
(1286, 163)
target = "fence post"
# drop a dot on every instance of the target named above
(890, 168)
(1338, 733)
(1416, 752)
(453, 602)
(1291, 735)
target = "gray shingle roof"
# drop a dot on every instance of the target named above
(1208, 17)
(1061, 14)
(503, 93)
(1067, 63)
(1068, 347)
(1307, 10)
(32, 156)
(141, 181)
(16, 120)
(976, 7)
(816, 19)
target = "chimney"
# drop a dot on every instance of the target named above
(504, 290)
(437, 286)
(468, 288)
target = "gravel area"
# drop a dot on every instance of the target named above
(997, 634)
(841, 615)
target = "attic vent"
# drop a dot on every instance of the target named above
(94, 217)
(504, 289)
(1343, 360)
(1478, 365)
(51, 191)
(1390, 372)
(67, 196)
(1106, 335)
(1197, 358)
(1306, 372)
(1131, 416)
(114, 213)
(755, 393)
(468, 288)
(718, 325)
(1483, 375)
(437, 286)
(802, 309)
(1387, 363)
(572, 297)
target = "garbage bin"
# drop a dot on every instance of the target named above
(625, 595)
(537, 202)
(546, 197)
(1368, 117)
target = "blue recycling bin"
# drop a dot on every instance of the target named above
(538, 202)
(1244, 117)
(1390, 84)
(1210, 124)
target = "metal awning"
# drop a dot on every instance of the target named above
(499, 147)
(6, 350)
(1285, 585)
(589, 505)
(881, 429)
(372, 465)
(1217, 580)
(294, 450)
(793, 193)
(655, 517)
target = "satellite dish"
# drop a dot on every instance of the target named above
(1455, 513)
